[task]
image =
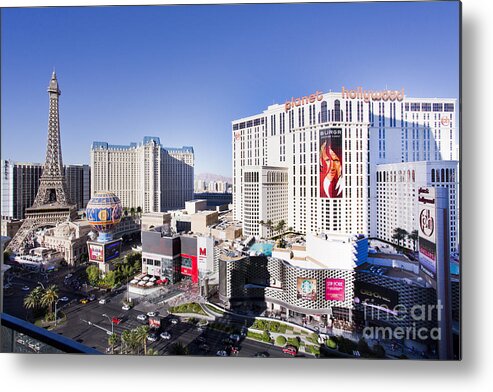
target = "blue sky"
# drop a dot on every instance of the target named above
(183, 73)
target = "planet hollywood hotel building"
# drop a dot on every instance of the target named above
(330, 144)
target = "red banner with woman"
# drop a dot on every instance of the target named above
(331, 183)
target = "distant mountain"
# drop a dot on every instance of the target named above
(213, 177)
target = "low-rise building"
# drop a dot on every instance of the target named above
(69, 239)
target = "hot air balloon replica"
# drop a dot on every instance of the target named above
(104, 212)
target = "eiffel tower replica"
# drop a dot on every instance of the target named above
(52, 204)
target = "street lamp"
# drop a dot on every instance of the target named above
(42, 285)
(109, 319)
(58, 300)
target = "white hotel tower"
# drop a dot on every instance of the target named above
(330, 144)
(145, 175)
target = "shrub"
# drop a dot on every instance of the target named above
(281, 340)
(294, 342)
(331, 343)
(266, 336)
(315, 350)
(313, 338)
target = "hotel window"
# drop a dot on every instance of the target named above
(448, 107)
(337, 110)
(324, 111)
(437, 107)
(426, 107)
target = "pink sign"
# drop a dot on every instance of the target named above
(334, 289)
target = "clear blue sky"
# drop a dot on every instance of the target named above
(183, 73)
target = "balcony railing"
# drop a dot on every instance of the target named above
(19, 336)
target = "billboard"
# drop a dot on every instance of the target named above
(331, 181)
(306, 289)
(334, 289)
(96, 252)
(205, 254)
(427, 245)
(375, 295)
(112, 250)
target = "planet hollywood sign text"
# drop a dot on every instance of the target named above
(370, 95)
(358, 93)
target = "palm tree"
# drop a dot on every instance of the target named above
(130, 339)
(112, 341)
(33, 299)
(139, 210)
(141, 336)
(49, 297)
(269, 225)
(178, 349)
(413, 236)
(152, 351)
(281, 225)
(125, 341)
(399, 235)
(132, 211)
(261, 223)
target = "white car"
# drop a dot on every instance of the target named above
(142, 317)
(165, 335)
(102, 301)
(174, 321)
(64, 299)
(26, 288)
(126, 307)
(222, 353)
(151, 314)
(152, 337)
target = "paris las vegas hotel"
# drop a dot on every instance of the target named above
(388, 145)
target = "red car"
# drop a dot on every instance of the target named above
(116, 320)
(291, 350)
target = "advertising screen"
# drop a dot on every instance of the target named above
(376, 296)
(112, 250)
(334, 289)
(96, 252)
(427, 235)
(306, 289)
(331, 181)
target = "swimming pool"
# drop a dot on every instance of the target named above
(264, 248)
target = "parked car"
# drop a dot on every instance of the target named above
(152, 336)
(142, 317)
(165, 335)
(174, 321)
(126, 307)
(234, 337)
(291, 350)
(151, 314)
